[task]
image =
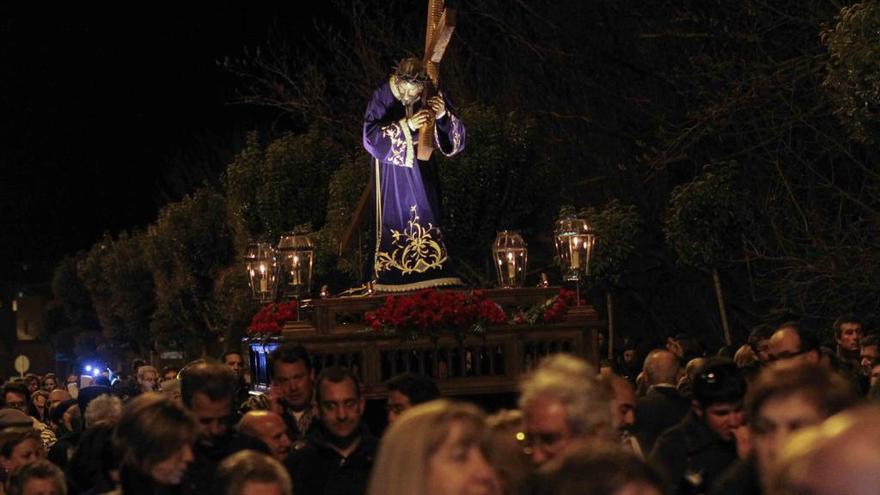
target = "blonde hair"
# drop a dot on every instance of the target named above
(402, 462)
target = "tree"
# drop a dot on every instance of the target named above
(617, 228)
(275, 188)
(499, 182)
(703, 225)
(71, 294)
(234, 304)
(186, 250)
(120, 287)
(853, 69)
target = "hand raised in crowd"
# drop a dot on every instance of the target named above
(674, 347)
(275, 400)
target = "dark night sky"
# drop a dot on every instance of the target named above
(94, 105)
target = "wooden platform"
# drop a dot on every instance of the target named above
(336, 335)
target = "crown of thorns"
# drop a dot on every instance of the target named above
(411, 70)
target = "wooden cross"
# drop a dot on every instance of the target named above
(438, 32)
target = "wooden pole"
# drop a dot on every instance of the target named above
(720, 296)
(609, 303)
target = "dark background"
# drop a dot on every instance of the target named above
(100, 108)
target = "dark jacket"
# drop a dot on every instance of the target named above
(201, 474)
(660, 409)
(297, 435)
(741, 478)
(319, 469)
(692, 456)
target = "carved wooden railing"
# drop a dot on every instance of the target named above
(336, 335)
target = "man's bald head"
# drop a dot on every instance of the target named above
(840, 456)
(268, 427)
(661, 367)
(791, 342)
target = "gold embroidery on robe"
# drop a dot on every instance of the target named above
(415, 248)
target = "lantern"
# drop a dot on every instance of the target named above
(296, 255)
(574, 245)
(510, 257)
(260, 264)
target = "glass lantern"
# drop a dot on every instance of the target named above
(296, 255)
(574, 245)
(259, 260)
(510, 256)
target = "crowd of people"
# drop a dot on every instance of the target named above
(781, 415)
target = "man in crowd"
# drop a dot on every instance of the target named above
(207, 390)
(759, 341)
(291, 388)
(873, 379)
(868, 352)
(147, 379)
(235, 362)
(792, 342)
(57, 396)
(841, 456)
(663, 406)
(848, 330)
(623, 411)
(782, 400)
(696, 451)
(338, 455)
(564, 405)
(169, 373)
(407, 390)
(630, 366)
(15, 395)
(268, 427)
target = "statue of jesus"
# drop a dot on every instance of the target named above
(410, 252)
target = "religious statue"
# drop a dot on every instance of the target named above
(410, 252)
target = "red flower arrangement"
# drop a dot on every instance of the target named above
(552, 310)
(428, 313)
(271, 318)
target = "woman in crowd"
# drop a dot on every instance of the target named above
(154, 440)
(18, 446)
(39, 405)
(506, 450)
(38, 478)
(434, 449)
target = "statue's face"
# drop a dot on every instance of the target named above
(409, 91)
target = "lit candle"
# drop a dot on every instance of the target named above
(294, 271)
(575, 254)
(511, 268)
(264, 282)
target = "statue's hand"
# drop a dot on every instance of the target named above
(419, 119)
(438, 105)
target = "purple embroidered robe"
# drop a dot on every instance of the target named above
(410, 252)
